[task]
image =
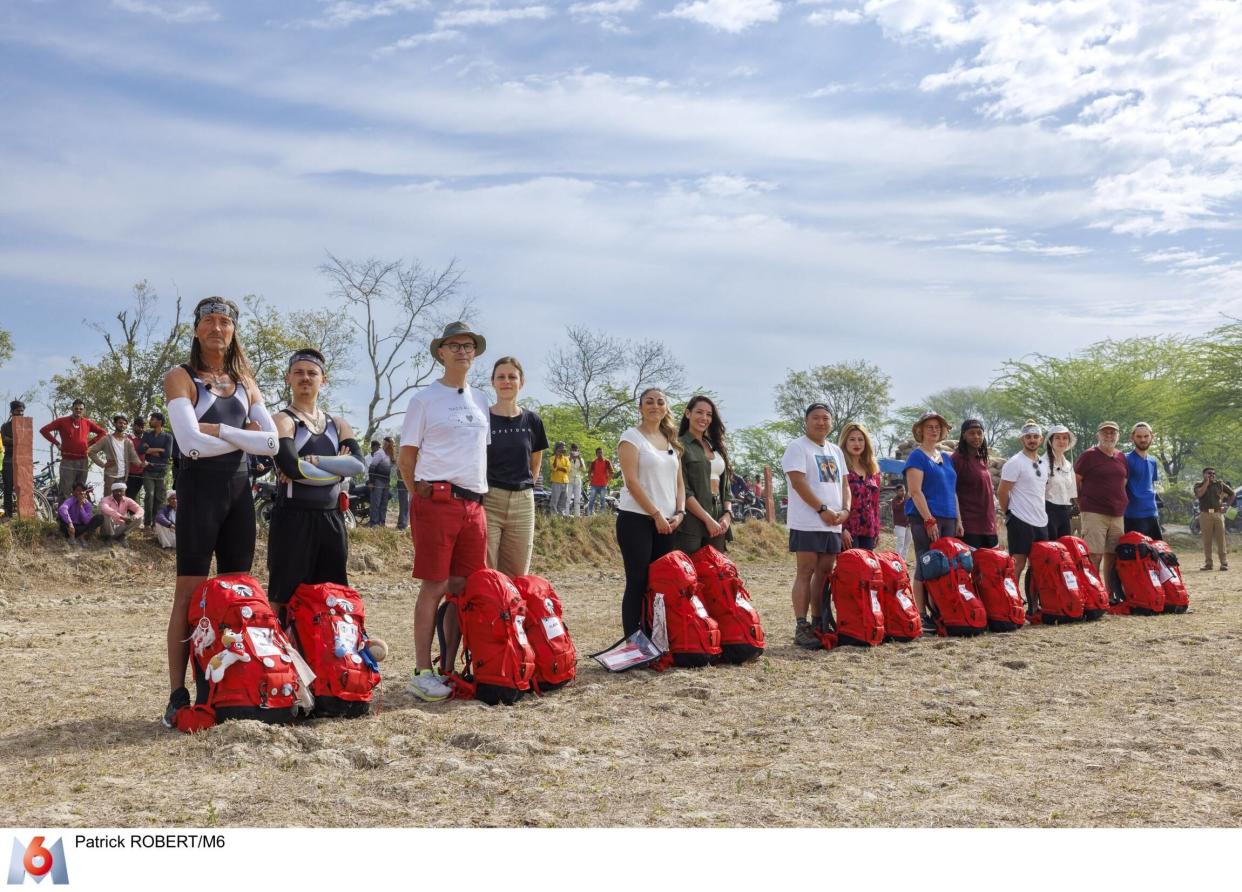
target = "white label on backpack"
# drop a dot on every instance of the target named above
(346, 637)
(875, 602)
(659, 623)
(967, 594)
(519, 625)
(1011, 588)
(1155, 580)
(1164, 572)
(743, 602)
(904, 600)
(552, 627)
(1071, 581)
(698, 607)
(261, 642)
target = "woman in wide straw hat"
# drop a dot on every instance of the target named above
(932, 484)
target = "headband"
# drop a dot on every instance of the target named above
(306, 357)
(811, 408)
(1031, 428)
(215, 305)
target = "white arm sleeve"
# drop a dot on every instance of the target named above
(344, 465)
(260, 442)
(192, 442)
(316, 476)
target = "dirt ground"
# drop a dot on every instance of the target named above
(1122, 722)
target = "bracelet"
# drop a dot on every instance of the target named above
(930, 522)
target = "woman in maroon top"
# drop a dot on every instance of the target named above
(974, 486)
(862, 527)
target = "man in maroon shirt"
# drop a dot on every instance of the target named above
(77, 434)
(1101, 472)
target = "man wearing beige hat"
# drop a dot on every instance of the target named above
(1101, 474)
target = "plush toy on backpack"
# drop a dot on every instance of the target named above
(328, 623)
(946, 570)
(1094, 593)
(1138, 573)
(1053, 580)
(556, 658)
(855, 584)
(680, 625)
(1176, 598)
(729, 604)
(243, 663)
(901, 616)
(498, 663)
(996, 582)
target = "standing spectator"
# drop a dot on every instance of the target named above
(379, 476)
(901, 522)
(514, 458)
(121, 513)
(1100, 474)
(577, 466)
(862, 528)
(1062, 491)
(166, 522)
(134, 481)
(403, 494)
(1215, 498)
(73, 434)
(705, 469)
(1022, 496)
(932, 507)
(601, 474)
(443, 459)
(16, 410)
(1142, 511)
(653, 498)
(390, 450)
(558, 476)
(115, 453)
(974, 486)
(155, 449)
(77, 518)
(819, 502)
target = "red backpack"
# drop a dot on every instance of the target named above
(680, 625)
(1138, 572)
(901, 617)
(996, 583)
(497, 660)
(946, 569)
(242, 660)
(1094, 594)
(728, 603)
(328, 623)
(556, 658)
(856, 583)
(1054, 578)
(1176, 598)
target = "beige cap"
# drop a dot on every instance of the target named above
(1105, 424)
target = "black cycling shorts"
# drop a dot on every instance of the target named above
(215, 518)
(304, 545)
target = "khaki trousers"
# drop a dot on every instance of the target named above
(510, 530)
(1212, 528)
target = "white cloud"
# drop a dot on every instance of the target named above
(343, 13)
(835, 17)
(609, 14)
(178, 14)
(417, 40)
(733, 16)
(489, 15)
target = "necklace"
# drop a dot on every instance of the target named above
(316, 423)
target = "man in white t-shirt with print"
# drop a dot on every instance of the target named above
(443, 462)
(819, 502)
(1021, 495)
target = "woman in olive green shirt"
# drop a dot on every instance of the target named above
(705, 466)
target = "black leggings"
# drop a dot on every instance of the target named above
(215, 517)
(1059, 520)
(640, 544)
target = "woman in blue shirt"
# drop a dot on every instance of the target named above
(932, 484)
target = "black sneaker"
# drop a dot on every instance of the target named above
(929, 626)
(176, 700)
(804, 636)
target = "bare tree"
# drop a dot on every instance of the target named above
(602, 375)
(399, 307)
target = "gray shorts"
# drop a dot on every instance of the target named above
(817, 542)
(918, 532)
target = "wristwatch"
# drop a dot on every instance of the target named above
(821, 509)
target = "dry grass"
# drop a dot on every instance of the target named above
(1128, 721)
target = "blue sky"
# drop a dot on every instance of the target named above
(932, 185)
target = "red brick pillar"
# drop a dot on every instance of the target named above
(23, 466)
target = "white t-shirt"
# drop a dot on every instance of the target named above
(657, 475)
(1062, 487)
(1026, 499)
(824, 467)
(451, 430)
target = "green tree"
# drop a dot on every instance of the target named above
(270, 336)
(751, 449)
(6, 346)
(853, 391)
(957, 404)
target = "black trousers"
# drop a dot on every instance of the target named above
(1148, 526)
(1060, 520)
(640, 544)
(8, 491)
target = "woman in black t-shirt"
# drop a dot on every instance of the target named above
(513, 460)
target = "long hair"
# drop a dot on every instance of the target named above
(965, 449)
(666, 423)
(715, 430)
(236, 365)
(870, 465)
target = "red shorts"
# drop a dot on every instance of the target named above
(450, 537)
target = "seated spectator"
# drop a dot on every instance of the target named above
(166, 522)
(77, 517)
(120, 513)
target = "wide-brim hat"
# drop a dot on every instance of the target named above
(1062, 429)
(917, 427)
(452, 330)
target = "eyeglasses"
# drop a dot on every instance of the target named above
(1038, 472)
(460, 346)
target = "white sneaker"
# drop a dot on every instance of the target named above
(426, 685)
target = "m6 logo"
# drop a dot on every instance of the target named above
(37, 861)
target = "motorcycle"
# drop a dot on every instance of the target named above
(265, 499)
(747, 507)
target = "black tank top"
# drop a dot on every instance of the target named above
(232, 410)
(302, 495)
